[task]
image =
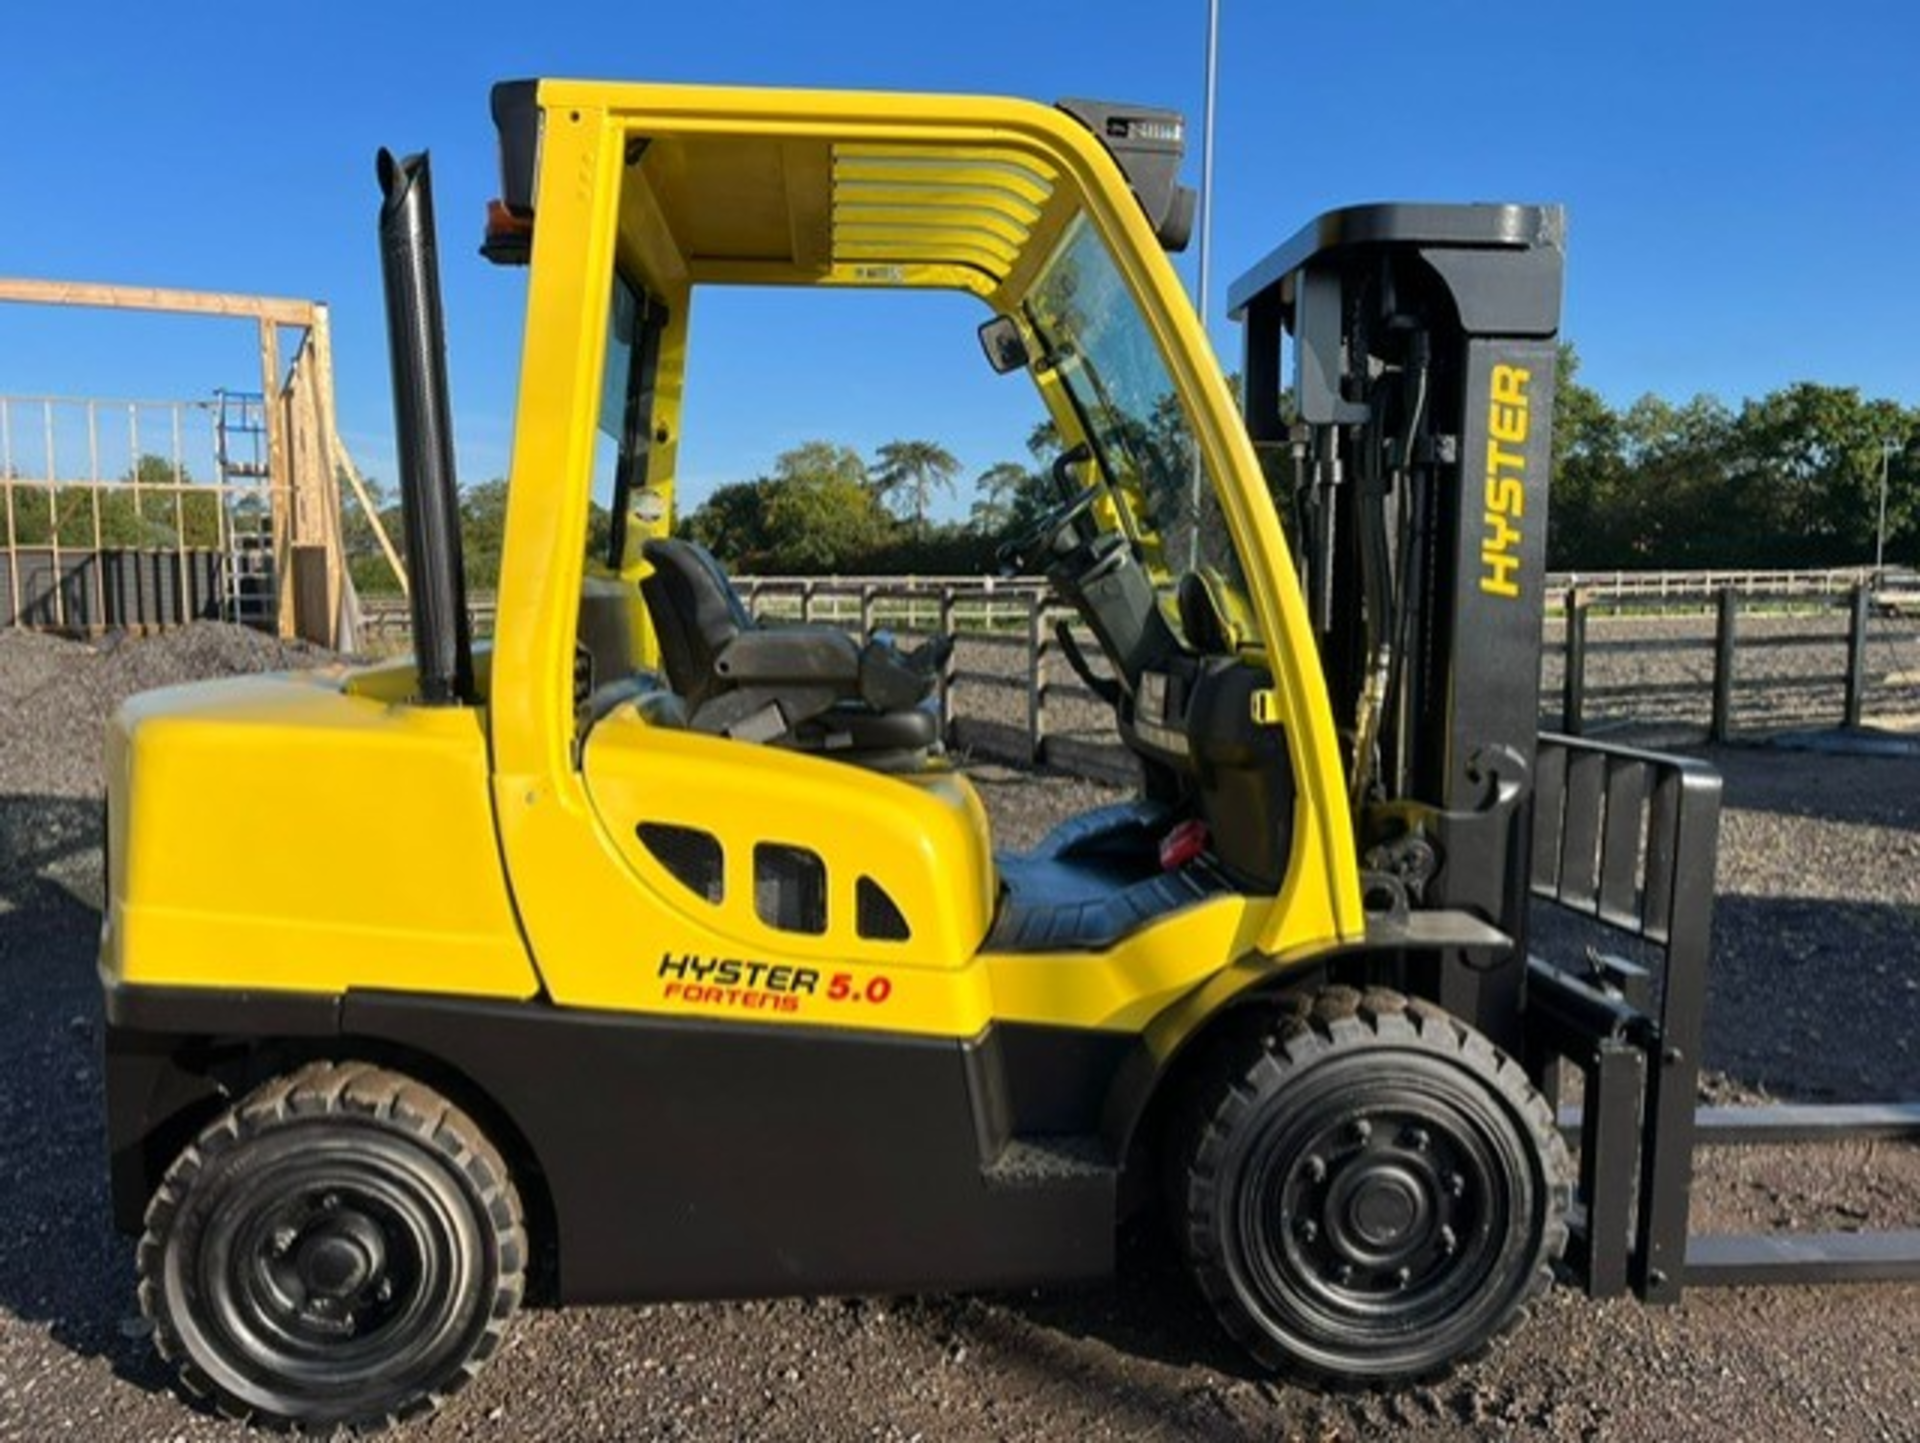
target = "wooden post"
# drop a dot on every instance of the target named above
(1857, 657)
(1036, 680)
(806, 602)
(1573, 703)
(949, 666)
(866, 612)
(57, 597)
(316, 506)
(279, 479)
(1721, 727)
(317, 474)
(312, 616)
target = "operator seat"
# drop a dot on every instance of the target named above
(810, 688)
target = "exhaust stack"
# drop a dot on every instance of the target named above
(429, 496)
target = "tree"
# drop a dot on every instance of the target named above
(821, 461)
(914, 470)
(170, 509)
(816, 513)
(1043, 441)
(1589, 472)
(730, 523)
(1806, 463)
(153, 503)
(820, 523)
(1000, 489)
(1674, 509)
(366, 561)
(483, 530)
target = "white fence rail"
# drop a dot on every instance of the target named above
(1651, 588)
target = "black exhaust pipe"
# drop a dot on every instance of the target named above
(429, 496)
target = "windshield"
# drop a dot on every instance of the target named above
(1109, 365)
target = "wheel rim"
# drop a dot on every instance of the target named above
(1375, 1220)
(342, 1270)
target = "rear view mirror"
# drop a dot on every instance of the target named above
(1006, 348)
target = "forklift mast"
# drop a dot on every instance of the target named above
(1413, 450)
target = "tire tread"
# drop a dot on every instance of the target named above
(345, 1088)
(1255, 1055)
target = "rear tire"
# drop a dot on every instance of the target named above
(1367, 1190)
(342, 1247)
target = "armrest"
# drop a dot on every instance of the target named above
(803, 655)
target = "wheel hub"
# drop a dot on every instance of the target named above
(1376, 1206)
(1382, 1209)
(342, 1257)
(324, 1268)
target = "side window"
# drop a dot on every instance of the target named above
(616, 384)
(620, 442)
(606, 645)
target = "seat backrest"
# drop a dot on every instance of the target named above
(695, 612)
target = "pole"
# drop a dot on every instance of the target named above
(1887, 448)
(1573, 705)
(1206, 154)
(1721, 726)
(1854, 705)
(1206, 250)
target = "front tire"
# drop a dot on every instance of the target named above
(1368, 1191)
(342, 1247)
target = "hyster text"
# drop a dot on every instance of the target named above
(1506, 494)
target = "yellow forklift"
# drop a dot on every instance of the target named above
(651, 952)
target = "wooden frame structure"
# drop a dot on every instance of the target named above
(304, 458)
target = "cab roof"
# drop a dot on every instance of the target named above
(846, 187)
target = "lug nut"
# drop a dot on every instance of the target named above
(1419, 1139)
(283, 1240)
(1449, 1242)
(1403, 1277)
(1316, 1169)
(1362, 1130)
(1456, 1184)
(1307, 1230)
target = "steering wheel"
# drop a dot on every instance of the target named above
(1024, 553)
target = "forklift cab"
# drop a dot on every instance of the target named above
(796, 767)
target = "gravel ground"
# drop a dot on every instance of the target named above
(1816, 995)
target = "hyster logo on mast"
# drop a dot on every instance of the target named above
(1507, 425)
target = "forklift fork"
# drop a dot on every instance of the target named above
(1626, 840)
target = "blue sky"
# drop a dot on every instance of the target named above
(1741, 179)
